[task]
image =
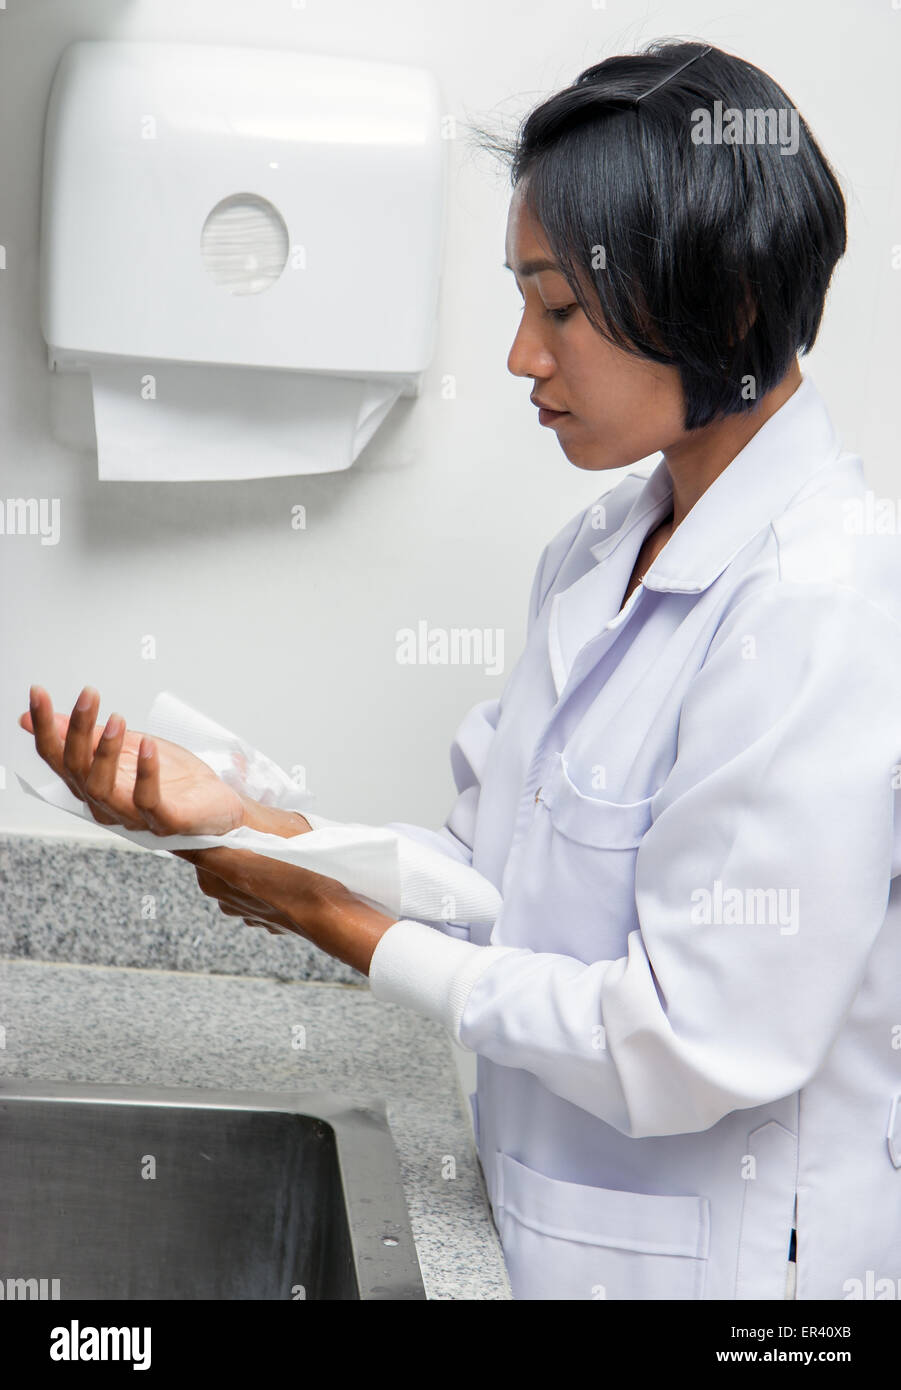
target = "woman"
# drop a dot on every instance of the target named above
(687, 1013)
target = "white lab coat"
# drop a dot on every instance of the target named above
(688, 1013)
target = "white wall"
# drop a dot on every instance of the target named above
(288, 636)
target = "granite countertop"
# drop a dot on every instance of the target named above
(223, 1018)
(107, 1024)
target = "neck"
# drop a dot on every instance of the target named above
(694, 462)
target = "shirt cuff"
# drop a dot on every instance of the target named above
(425, 970)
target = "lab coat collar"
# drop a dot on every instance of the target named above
(754, 489)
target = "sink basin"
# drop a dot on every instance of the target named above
(146, 1192)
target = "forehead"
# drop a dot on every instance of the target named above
(525, 241)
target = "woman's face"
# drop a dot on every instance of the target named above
(619, 408)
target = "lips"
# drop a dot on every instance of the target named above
(550, 417)
(547, 414)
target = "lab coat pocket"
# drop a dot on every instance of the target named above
(588, 820)
(770, 1171)
(565, 1240)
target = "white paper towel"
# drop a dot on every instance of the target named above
(383, 868)
(193, 422)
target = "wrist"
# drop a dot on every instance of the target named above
(272, 820)
(350, 929)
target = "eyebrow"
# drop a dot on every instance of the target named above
(533, 267)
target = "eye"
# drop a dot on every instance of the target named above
(561, 314)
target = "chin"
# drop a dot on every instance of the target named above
(593, 460)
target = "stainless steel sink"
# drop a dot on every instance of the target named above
(147, 1192)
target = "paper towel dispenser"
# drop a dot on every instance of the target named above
(246, 242)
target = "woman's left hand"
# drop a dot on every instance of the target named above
(269, 893)
(127, 778)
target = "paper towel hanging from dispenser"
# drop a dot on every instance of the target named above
(242, 248)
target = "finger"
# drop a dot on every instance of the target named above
(78, 749)
(37, 696)
(146, 793)
(231, 865)
(214, 887)
(100, 782)
(62, 723)
(235, 904)
(47, 739)
(210, 884)
(248, 910)
(269, 880)
(267, 926)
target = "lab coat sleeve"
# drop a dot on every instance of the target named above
(789, 741)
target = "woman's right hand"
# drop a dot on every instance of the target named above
(128, 778)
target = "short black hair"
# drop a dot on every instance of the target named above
(697, 236)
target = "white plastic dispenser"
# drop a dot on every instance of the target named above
(242, 248)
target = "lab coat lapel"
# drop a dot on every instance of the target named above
(590, 608)
(756, 487)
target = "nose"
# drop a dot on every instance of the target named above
(528, 355)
